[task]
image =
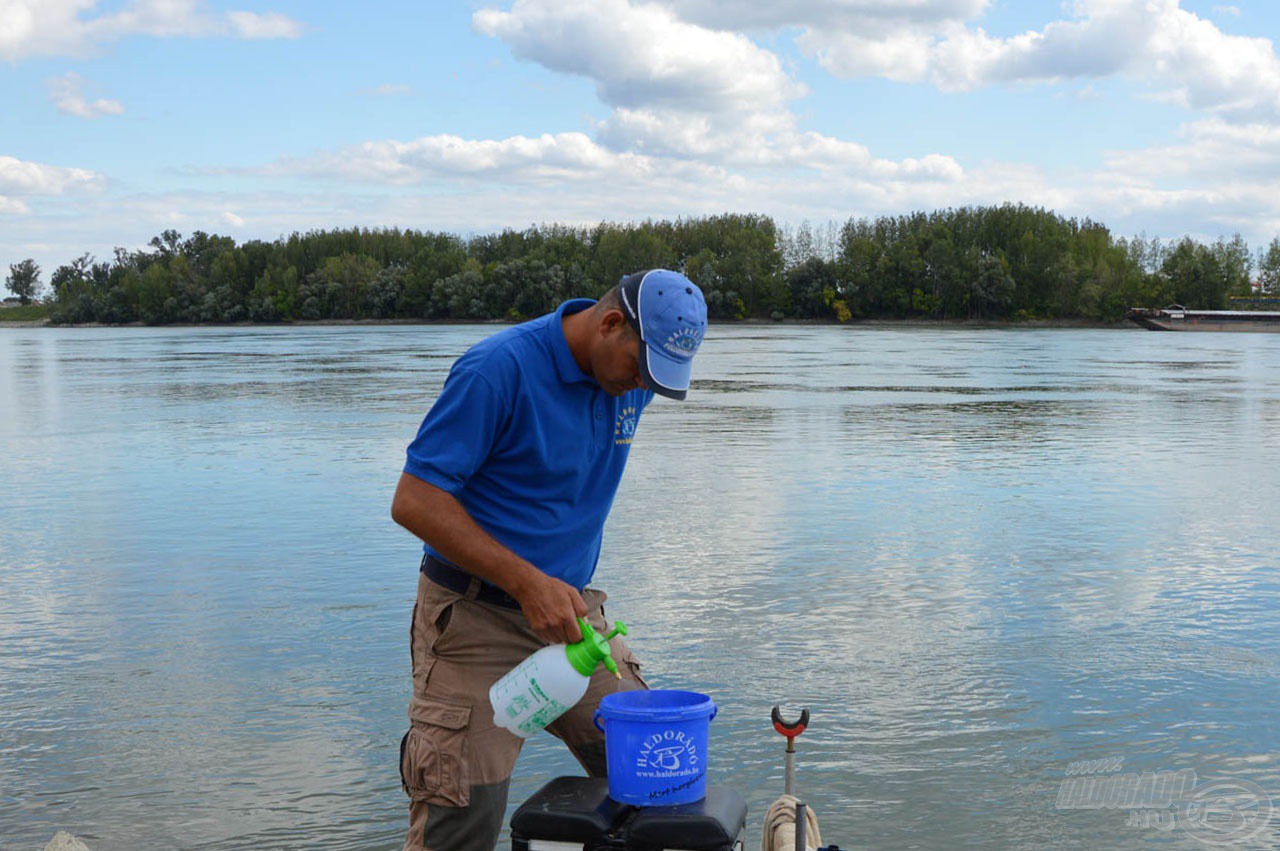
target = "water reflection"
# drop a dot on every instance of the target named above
(976, 555)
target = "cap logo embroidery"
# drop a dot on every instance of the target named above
(683, 342)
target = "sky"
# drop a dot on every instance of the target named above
(258, 118)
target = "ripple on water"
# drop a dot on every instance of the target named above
(977, 556)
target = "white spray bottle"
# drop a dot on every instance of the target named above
(548, 683)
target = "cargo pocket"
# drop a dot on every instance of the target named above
(430, 622)
(632, 664)
(434, 754)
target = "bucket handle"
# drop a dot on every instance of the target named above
(595, 718)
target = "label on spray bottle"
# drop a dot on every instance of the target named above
(526, 703)
(547, 684)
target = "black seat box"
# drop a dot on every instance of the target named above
(578, 811)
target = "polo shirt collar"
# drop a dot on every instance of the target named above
(566, 366)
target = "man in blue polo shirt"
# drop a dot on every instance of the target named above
(508, 483)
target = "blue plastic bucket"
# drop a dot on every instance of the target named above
(656, 746)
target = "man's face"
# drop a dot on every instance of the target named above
(616, 361)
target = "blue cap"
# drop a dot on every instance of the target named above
(668, 312)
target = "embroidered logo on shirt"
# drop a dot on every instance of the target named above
(625, 427)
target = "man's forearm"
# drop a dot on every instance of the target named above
(551, 606)
(439, 519)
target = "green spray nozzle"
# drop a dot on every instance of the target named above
(593, 649)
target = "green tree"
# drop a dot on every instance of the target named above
(521, 289)
(859, 263)
(1235, 264)
(814, 288)
(751, 264)
(157, 303)
(460, 296)
(1008, 260)
(1200, 276)
(943, 273)
(73, 292)
(167, 243)
(1269, 269)
(262, 299)
(339, 289)
(438, 256)
(798, 245)
(622, 250)
(385, 291)
(991, 288)
(24, 280)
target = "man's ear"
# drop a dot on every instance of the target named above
(612, 321)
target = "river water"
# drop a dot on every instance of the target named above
(979, 557)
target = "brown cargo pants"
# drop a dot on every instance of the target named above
(455, 764)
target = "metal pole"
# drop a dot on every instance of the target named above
(791, 767)
(802, 824)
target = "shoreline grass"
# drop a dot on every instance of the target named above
(24, 313)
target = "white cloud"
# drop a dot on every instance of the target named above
(31, 28)
(642, 55)
(1213, 151)
(65, 228)
(1085, 93)
(20, 179)
(67, 95)
(1214, 71)
(1188, 59)
(722, 137)
(682, 92)
(484, 185)
(674, 86)
(700, 121)
(518, 160)
(956, 57)
(270, 25)
(847, 15)
(387, 90)
(575, 160)
(900, 56)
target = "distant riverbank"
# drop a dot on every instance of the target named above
(852, 323)
(23, 315)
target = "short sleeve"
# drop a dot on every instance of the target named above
(458, 432)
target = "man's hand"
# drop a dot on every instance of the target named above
(552, 608)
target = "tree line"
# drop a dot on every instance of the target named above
(998, 262)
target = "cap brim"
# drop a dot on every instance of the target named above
(663, 375)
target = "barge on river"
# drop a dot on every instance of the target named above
(1178, 318)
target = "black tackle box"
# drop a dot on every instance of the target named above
(577, 812)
